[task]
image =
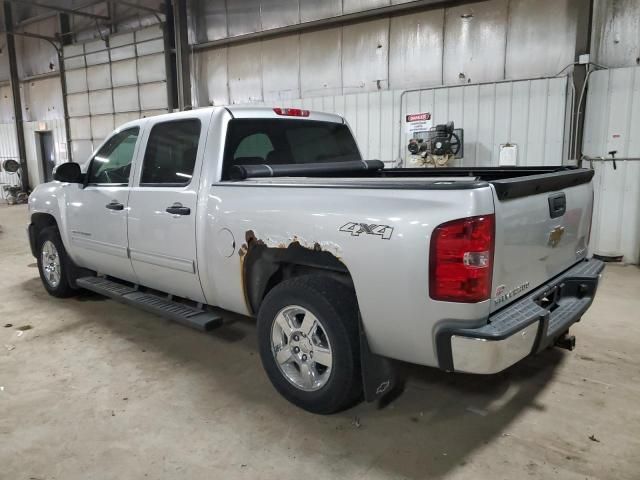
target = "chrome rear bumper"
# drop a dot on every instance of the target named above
(524, 327)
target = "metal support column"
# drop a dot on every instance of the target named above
(169, 56)
(182, 53)
(584, 12)
(65, 28)
(15, 90)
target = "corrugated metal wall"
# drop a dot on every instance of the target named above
(529, 113)
(613, 123)
(8, 145)
(616, 32)
(110, 86)
(482, 42)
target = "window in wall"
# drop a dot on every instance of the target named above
(171, 153)
(112, 163)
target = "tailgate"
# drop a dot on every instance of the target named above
(542, 229)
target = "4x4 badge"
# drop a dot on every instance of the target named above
(355, 229)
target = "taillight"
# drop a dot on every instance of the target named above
(461, 260)
(291, 112)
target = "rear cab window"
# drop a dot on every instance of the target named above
(257, 141)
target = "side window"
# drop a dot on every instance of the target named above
(112, 163)
(253, 148)
(171, 153)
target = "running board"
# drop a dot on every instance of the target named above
(197, 318)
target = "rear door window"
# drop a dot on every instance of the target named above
(171, 151)
(283, 141)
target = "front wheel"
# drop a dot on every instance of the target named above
(53, 264)
(309, 346)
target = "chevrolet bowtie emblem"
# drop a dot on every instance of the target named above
(555, 235)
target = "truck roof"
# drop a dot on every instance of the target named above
(247, 111)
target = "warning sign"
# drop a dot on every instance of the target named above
(418, 122)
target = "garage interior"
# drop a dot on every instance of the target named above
(90, 388)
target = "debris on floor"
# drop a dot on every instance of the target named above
(24, 328)
(8, 325)
(356, 422)
(593, 438)
(478, 411)
(10, 347)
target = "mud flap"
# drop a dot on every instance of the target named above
(378, 373)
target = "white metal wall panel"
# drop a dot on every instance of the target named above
(351, 6)
(314, 10)
(37, 57)
(320, 62)
(541, 38)
(616, 32)
(278, 13)
(245, 73)
(365, 61)
(416, 42)
(475, 36)
(8, 149)
(243, 17)
(4, 60)
(612, 122)
(211, 70)
(280, 64)
(6, 105)
(42, 99)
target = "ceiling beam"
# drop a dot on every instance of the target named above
(69, 11)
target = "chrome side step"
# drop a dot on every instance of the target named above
(197, 318)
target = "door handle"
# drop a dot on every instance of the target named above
(115, 205)
(178, 209)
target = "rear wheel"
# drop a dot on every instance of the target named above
(309, 346)
(53, 263)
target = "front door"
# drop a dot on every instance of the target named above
(162, 206)
(97, 212)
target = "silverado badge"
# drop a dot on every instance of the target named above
(555, 235)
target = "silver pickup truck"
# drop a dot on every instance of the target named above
(273, 213)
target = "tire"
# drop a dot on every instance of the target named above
(55, 272)
(328, 389)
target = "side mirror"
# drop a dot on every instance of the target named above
(68, 172)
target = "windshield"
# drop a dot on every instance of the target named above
(258, 141)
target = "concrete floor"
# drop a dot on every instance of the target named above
(98, 390)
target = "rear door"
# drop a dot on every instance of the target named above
(539, 235)
(163, 204)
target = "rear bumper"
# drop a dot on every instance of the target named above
(524, 327)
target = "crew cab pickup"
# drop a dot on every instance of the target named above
(273, 213)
